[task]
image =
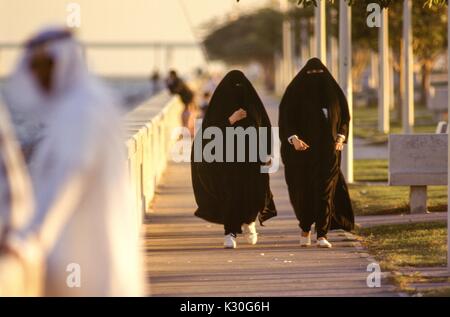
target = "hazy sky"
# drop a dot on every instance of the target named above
(119, 20)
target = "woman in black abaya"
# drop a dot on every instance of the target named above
(233, 193)
(314, 121)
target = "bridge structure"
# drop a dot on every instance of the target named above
(167, 48)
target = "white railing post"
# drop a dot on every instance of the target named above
(408, 100)
(384, 78)
(345, 79)
(287, 62)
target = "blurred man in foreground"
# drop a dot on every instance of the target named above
(83, 220)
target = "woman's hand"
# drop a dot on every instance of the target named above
(339, 146)
(340, 142)
(238, 115)
(299, 145)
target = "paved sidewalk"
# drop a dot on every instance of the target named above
(370, 221)
(185, 257)
(434, 279)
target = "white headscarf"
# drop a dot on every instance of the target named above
(29, 106)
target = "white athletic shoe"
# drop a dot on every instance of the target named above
(305, 241)
(230, 241)
(250, 233)
(323, 243)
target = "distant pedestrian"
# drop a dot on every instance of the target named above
(156, 83)
(209, 84)
(204, 104)
(178, 87)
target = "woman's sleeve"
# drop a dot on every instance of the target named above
(219, 120)
(288, 119)
(269, 136)
(345, 115)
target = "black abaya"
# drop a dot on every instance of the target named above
(317, 188)
(233, 193)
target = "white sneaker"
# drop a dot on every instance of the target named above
(230, 241)
(250, 233)
(323, 243)
(305, 241)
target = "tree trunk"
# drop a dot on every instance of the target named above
(401, 87)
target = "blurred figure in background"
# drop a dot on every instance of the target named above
(21, 266)
(178, 87)
(204, 103)
(155, 80)
(209, 86)
(83, 216)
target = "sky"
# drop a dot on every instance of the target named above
(120, 21)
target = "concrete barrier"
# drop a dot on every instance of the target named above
(437, 100)
(149, 128)
(418, 160)
(442, 127)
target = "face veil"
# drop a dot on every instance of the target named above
(233, 92)
(313, 89)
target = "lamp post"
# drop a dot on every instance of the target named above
(408, 100)
(320, 30)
